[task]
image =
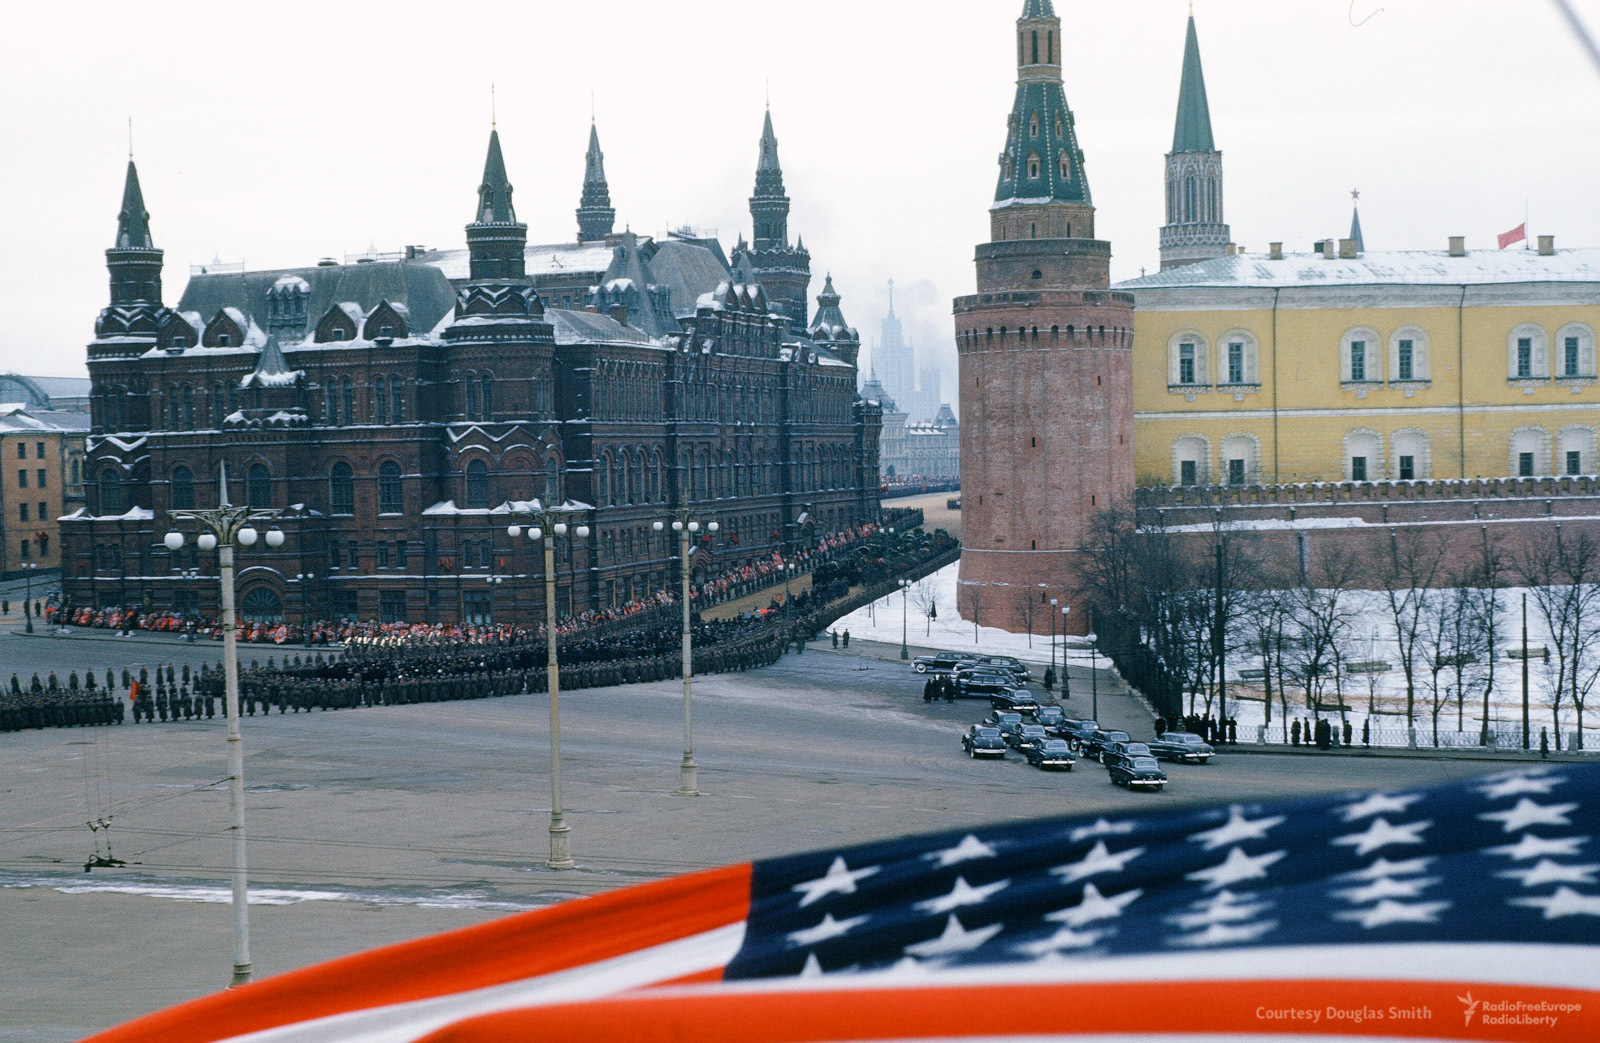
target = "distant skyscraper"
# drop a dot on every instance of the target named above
(895, 361)
(1195, 230)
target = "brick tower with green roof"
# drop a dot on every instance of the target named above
(1045, 350)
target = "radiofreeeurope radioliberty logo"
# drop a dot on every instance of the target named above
(1516, 1012)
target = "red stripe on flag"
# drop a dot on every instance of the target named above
(1516, 235)
(727, 1014)
(512, 949)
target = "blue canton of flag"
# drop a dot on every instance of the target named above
(1507, 858)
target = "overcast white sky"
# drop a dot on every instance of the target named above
(280, 133)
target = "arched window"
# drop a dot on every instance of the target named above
(347, 395)
(552, 481)
(1575, 352)
(380, 400)
(1408, 355)
(1188, 198)
(397, 399)
(1033, 125)
(1577, 450)
(486, 399)
(216, 401)
(1033, 166)
(654, 491)
(389, 497)
(1191, 461)
(1036, 49)
(603, 479)
(1237, 358)
(472, 395)
(477, 484)
(258, 487)
(341, 489)
(188, 408)
(1363, 453)
(1241, 459)
(1360, 361)
(333, 403)
(1065, 165)
(1186, 360)
(181, 495)
(110, 492)
(1409, 458)
(1527, 357)
(636, 482)
(1530, 452)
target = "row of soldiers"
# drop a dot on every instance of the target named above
(384, 672)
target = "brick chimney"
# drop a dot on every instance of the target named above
(1274, 251)
(1347, 248)
(1458, 246)
(619, 314)
(1330, 248)
(1547, 245)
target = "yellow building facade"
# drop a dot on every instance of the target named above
(1344, 365)
(41, 478)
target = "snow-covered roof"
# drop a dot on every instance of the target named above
(1388, 267)
(18, 417)
(585, 327)
(539, 259)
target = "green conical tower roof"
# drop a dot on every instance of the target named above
(494, 195)
(1193, 130)
(133, 223)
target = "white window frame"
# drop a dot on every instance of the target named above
(1579, 438)
(1251, 361)
(1539, 353)
(1530, 438)
(1415, 443)
(1363, 442)
(1195, 447)
(1586, 352)
(1421, 373)
(1202, 371)
(1372, 368)
(1229, 449)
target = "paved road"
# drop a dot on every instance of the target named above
(382, 824)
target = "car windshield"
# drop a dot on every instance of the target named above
(1144, 762)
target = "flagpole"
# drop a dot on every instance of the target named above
(1527, 233)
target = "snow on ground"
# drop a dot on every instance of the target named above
(1372, 638)
(881, 621)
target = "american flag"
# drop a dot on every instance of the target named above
(1463, 911)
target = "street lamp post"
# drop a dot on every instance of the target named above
(27, 604)
(1066, 678)
(905, 587)
(548, 524)
(1054, 602)
(494, 584)
(223, 527)
(685, 524)
(304, 579)
(1094, 676)
(788, 570)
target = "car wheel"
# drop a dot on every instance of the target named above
(921, 668)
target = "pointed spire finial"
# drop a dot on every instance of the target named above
(130, 138)
(494, 119)
(1192, 130)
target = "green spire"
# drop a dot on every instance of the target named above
(1355, 230)
(494, 195)
(769, 150)
(1193, 130)
(133, 223)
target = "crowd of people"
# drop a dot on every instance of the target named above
(734, 583)
(386, 664)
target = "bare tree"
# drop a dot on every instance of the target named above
(1269, 613)
(1322, 614)
(1488, 581)
(925, 595)
(1408, 567)
(973, 594)
(1026, 601)
(1561, 571)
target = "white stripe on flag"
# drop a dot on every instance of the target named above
(403, 1022)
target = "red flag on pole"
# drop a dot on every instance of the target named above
(1516, 235)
